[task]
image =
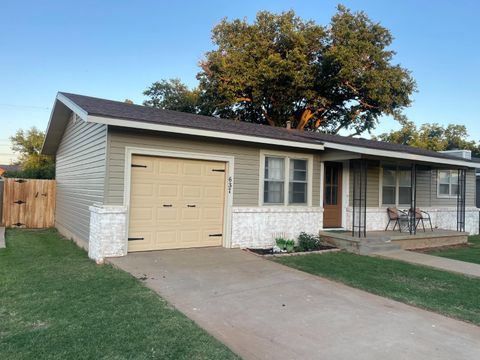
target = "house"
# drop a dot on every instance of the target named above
(8, 168)
(135, 178)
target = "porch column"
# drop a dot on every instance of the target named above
(359, 168)
(413, 201)
(461, 195)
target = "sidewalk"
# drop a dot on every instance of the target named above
(437, 262)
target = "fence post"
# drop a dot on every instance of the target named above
(1, 202)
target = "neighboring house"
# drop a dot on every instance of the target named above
(132, 178)
(8, 168)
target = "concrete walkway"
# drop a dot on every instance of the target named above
(437, 262)
(263, 310)
(2, 237)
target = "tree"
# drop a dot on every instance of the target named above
(28, 144)
(282, 68)
(432, 136)
(173, 95)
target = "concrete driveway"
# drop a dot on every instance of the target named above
(263, 310)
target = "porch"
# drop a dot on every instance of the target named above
(375, 241)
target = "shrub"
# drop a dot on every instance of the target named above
(290, 245)
(308, 242)
(281, 243)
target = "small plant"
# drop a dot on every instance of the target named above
(308, 242)
(290, 245)
(281, 243)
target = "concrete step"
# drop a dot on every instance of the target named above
(370, 248)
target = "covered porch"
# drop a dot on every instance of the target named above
(439, 190)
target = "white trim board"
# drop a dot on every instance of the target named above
(229, 180)
(72, 106)
(200, 132)
(400, 155)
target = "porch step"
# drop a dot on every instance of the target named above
(373, 247)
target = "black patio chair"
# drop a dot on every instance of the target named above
(395, 215)
(420, 216)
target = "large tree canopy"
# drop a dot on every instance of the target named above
(282, 68)
(432, 136)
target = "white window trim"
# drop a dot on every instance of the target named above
(286, 156)
(397, 187)
(229, 180)
(442, 196)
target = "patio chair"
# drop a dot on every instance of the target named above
(395, 215)
(420, 216)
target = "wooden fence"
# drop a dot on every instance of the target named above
(28, 203)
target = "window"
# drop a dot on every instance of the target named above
(285, 181)
(274, 180)
(298, 182)
(447, 183)
(396, 185)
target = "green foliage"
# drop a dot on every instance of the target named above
(290, 245)
(55, 303)
(308, 242)
(468, 253)
(173, 95)
(281, 242)
(28, 144)
(432, 136)
(427, 288)
(283, 68)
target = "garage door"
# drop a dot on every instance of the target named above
(175, 203)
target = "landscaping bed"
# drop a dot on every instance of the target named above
(270, 251)
(304, 244)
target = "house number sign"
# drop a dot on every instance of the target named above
(230, 184)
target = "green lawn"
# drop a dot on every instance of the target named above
(470, 253)
(57, 304)
(440, 291)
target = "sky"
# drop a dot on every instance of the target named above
(115, 49)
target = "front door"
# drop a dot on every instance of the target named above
(332, 195)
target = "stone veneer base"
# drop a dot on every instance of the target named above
(107, 232)
(257, 227)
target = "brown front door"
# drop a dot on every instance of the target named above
(332, 196)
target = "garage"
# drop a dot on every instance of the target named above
(175, 203)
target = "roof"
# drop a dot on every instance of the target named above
(122, 110)
(10, 167)
(138, 116)
(379, 145)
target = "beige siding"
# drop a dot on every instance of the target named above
(442, 202)
(80, 175)
(246, 172)
(246, 161)
(373, 177)
(426, 189)
(316, 181)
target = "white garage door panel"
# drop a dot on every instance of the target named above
(175, 203)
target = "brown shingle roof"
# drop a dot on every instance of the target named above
(122, 110)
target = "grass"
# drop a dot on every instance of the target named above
(470, 253)
(57, 304)
(447, 293)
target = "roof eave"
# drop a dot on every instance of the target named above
(62, 107)
(203, 133)
(400, 155)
